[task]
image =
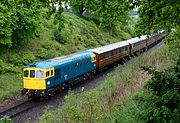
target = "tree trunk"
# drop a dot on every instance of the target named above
(110, 29)
(81, 11)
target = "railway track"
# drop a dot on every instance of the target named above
(19, 109)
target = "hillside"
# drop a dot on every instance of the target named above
(78, 34)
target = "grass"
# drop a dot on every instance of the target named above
(99, 104)
(78, 35)
(11, 84)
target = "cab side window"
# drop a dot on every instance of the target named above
(26, 73)
(32, 73)
(52, 72)
(47, 74)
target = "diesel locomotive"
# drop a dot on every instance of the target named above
(42, 79)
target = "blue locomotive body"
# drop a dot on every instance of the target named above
(75, 65)
(50, 73)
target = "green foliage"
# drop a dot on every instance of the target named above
(156, 15)
(57, 36)
(161, 102)
(80, 6)
(5, 120)
(79, 108)
(58, 19)
(112, 11)
(11, 85)
(4, 68)
(173, 41)
(23, 59)
(83, 34)
(18, 23)
(106, 13)
(20, 20)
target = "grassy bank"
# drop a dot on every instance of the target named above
(99, 103)
(77, 35)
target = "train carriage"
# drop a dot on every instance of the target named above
(152, 40)
(109, 54)
(162, 34)
(138, 44)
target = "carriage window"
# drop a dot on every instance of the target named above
(107, 55)
(47, 74)
(32, 73)
(119, 50)
(39, 74)
(26, 73)
(125, 48)
(80, 63)
(112, 53)
(101, 56)
(52, 72)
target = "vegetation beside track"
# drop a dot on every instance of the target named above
(159, 100)
(102, 103)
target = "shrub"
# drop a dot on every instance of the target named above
(57, 36)
(4, 67)
(22, 59)
(28, 57)
(6, 120)
(161, 102)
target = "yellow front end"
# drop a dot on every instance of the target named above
(34, 84)
(31, 80)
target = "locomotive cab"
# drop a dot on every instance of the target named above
(35, 79)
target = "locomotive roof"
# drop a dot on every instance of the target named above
(109, 47)
(60, 60)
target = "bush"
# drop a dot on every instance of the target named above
(57, 36)
(4, 67)
(161, 102)
(22, 59)
(6, 120)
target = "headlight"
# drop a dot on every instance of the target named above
(48, 83)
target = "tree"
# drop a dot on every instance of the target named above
(158, 14)
(112, 11)
(20, 19)
(80, 6)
